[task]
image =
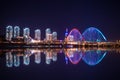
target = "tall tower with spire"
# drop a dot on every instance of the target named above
(66, 34)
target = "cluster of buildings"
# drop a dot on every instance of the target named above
(14, 33)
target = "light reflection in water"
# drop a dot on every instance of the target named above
(37, 57)
(74, 55)
(16, 60)
(13, 58)
(9, 59)
(91, 57)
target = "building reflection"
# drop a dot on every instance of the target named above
(26, 59)
(16, 60)
(9, 59)
(16, 57)
(37, 57)
(50, 55)
(13, 57)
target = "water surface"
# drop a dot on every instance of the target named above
(20, 64)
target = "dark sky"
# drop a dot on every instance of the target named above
(61, 14)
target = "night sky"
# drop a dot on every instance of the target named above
(59, 15)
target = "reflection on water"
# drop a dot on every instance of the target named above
(13, 56)
(93, 57)
(72, 55)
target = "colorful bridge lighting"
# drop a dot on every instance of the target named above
(93, 34)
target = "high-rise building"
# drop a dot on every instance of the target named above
(26, 35)
(49, 37)
(37, 34)
(54, 36)
(16, 31)
(26, 32)
(9, 33)
(47, 34)
(66, 34)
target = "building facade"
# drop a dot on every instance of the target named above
(37, 34)
(9, 33)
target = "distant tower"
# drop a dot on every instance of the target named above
(26, 32)
(16, 31)
(66, 32)
(49, 37)
(54, 35)
(47, 33)
(9, 33)
(37, 34)
(26, 35)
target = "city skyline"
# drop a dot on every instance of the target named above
(61, 15)
(14, 32)
(61, 33)
(86, 32)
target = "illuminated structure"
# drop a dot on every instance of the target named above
(74, 35)
(49, 37)
(16, 31)
(54, 36)
(89, 46)
(26, 32)
(9, 33)
(37, 34)
(90, 37)
(26, 35)
(93, 34)
(48, 34)
(66, 32)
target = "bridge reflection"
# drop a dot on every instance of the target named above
(14, 57)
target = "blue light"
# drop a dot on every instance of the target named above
(94, 35)
(93, 57)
